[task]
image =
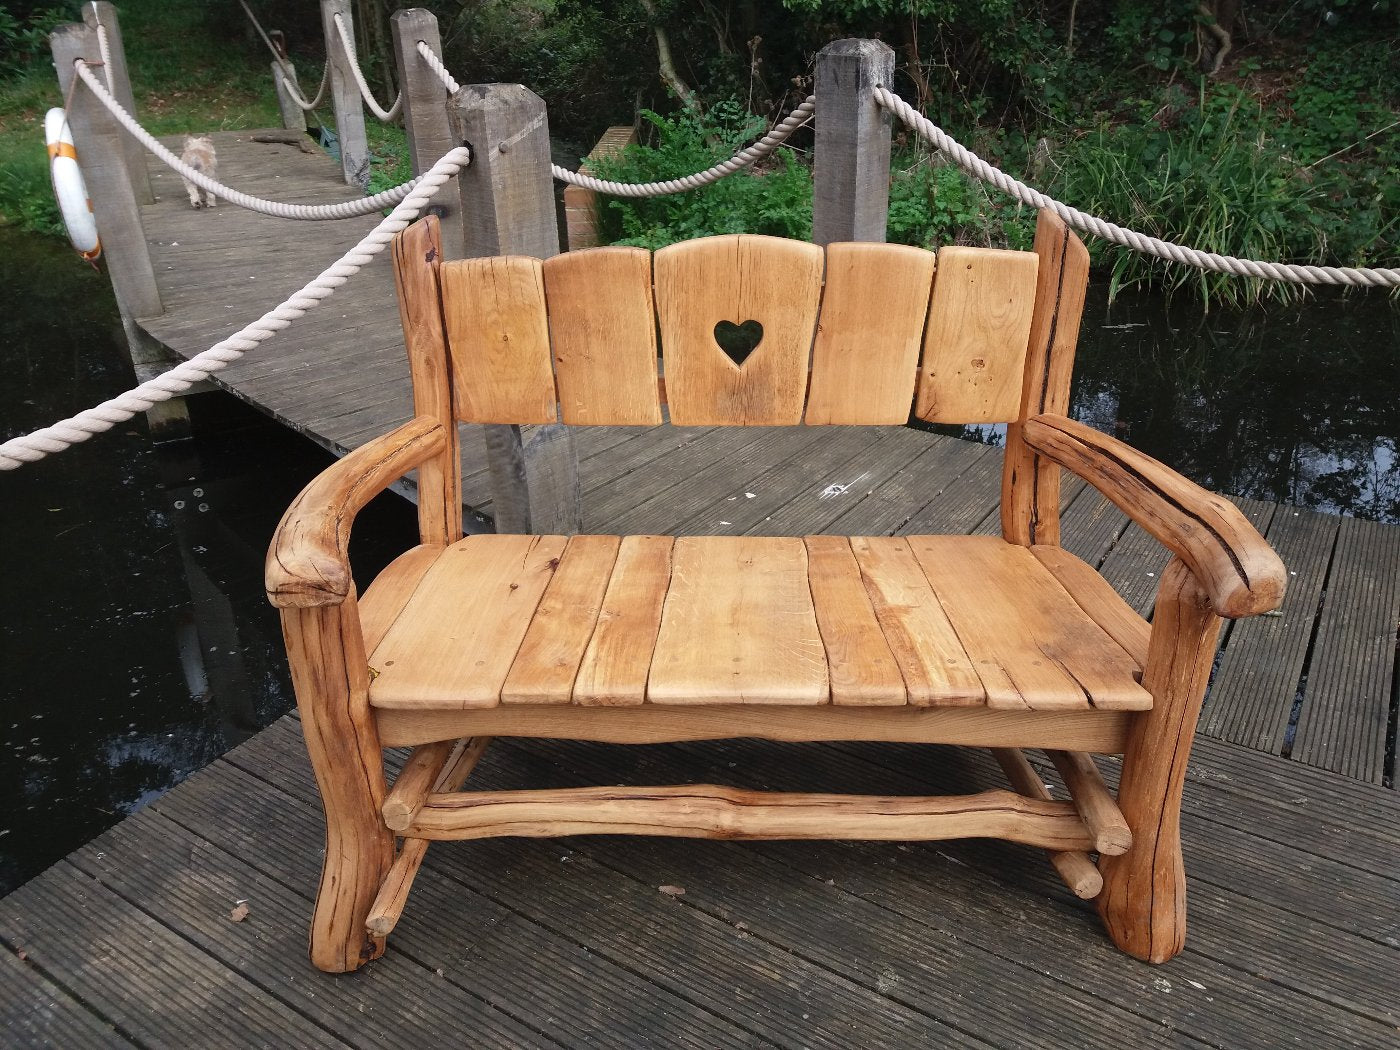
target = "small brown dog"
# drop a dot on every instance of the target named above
(199, 154)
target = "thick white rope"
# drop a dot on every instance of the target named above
(1177, 253)
(746, 156)
(320, 91)
(764, 146)
(279, 209)
(435, 64)
(30, 448)
(385, 115)
(104, 50)
(285, 66)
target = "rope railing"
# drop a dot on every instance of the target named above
(743, 159)
(285, 68)
(30, 448)
(302, 212)
(383, 114)
(974, 165)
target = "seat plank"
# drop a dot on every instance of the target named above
(738, 625)
(494, 312)
(603, 326)
(455, 640)
(861, 668)
(866, 355)
(548, 661)
(615, 664)
(979, 322)
(1031, 643)
(935, 667)
(737, 279)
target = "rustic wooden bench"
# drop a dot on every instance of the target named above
(1003, 642)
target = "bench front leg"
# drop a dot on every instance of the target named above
(1143, 903)
(331, 675)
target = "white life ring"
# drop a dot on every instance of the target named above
(68, 186)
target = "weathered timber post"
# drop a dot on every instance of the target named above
(345, 95)
(425, 114)
(284, 73)
(119, 83)
(851, 169)
(508, 207)
(97, 139)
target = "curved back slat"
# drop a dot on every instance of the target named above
(494, 313)
(603, 324)
(979, 321)
(872, 319)
(737, 279)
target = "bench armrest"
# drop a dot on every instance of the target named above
(1236, 567)
(308, 562)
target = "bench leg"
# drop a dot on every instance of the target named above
(1143, 903)
(331, 676)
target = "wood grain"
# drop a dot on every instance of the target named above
(1143, 904)
(548, 661)
(1031, 645)
(1100, 602)
(417, 253)
(455, 640)
(1095, 803)
(710, 811)
(935, 667)
(1239, 570)
(308, 561)
(738, 625)
(1030, 484)
(603, 324)
(737, 278)
(615, 664)
(1098, 731)
(866, 356)
(494, 310)
(861, 668)
(1074, 866)
(975, 344)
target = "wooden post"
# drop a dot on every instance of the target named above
(509, 193)
(425, 114)
(851, 169)
(293, 116)
(104, 14)
(97, 139)
(1143, 903)
(345, 96)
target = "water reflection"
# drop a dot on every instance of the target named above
(1297, 404)
(137, 645)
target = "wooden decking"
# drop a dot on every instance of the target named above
(1293, 844)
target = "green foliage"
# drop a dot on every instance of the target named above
(24, 43)
(776, 201)
(932, 205)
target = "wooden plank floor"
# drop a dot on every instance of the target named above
(1294, 935)
(1294, 866)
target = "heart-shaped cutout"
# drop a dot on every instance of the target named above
(738, 341)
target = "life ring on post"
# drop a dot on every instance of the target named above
(68, 186)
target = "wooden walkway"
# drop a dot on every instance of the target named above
(1294, 862)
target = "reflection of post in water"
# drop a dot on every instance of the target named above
(212, 652)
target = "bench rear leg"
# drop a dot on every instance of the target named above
(1143, 903)
(331, 675)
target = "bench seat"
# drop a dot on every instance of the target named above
(926, 621)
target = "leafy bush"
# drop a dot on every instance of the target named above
(776, 200)
(933, 204)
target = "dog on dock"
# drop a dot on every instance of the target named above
(199, 154)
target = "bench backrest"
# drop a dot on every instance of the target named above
(742, 330)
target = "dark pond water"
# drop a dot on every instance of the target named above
(136, 642)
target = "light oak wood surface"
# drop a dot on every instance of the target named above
(975, 343)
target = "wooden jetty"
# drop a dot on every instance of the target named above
(1292, 831)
